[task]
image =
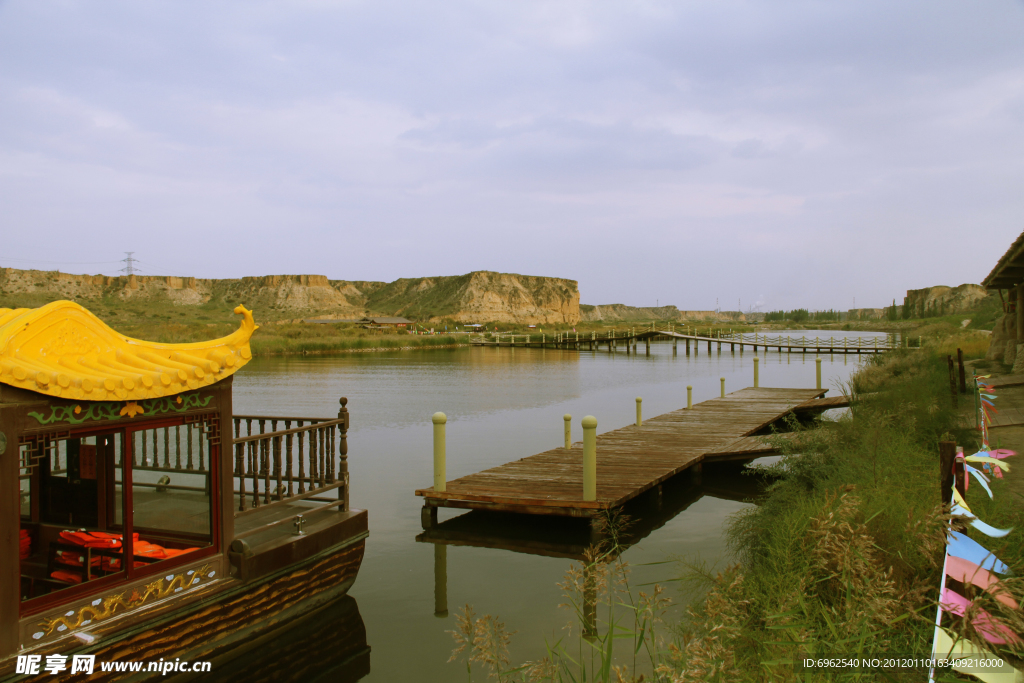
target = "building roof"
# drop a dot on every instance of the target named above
(63, 350)
(386, 321)
(325, 321)
(1009, 271)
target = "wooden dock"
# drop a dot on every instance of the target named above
(627, 341)
(630, 460)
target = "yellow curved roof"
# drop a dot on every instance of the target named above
(62, 349)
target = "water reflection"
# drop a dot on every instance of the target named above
(502, 404)
(570, 538)
(327, 644)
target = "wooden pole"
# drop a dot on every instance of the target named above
(639, 417)
(963, 376)
(722, 380)
(689, 396)
(952, 380)
(568, 430)
(440, 477)
(817, 371)
(947, 454)
(590, 458)
(757, 363)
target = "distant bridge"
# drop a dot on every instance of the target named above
(628, 341)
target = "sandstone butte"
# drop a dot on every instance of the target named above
(481, 296)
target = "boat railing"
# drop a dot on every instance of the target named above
(299, 459)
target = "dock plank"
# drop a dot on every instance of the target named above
(630, 460)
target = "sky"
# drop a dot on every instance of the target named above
(776, 153)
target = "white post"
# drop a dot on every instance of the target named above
(757, 363)
(722, 380)
(568, 430)
(440, 477)
(689, 396)
(639, 419)
(590, 458)
(817, 371)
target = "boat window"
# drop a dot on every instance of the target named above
(70, 512)
(171, 491)
(88, 499)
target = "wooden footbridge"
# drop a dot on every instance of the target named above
(628, 340)
(617, 466)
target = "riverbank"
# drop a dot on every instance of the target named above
(841, 558)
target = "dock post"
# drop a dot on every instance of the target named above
(590, 458)
(440, 580)
(675, 344)
(817, 371)
(647, 343)
(440, 477)
(687, 346)
(757, 363)
(722, 380)
(689, 396)
(639, 418)
(568, 430)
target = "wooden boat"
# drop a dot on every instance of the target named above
(143, 520)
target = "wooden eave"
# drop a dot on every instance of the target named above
(1009, 270)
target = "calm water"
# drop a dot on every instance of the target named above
(502, 404)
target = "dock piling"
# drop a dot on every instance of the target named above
(440, 476)
(817, 372)
(689, 396)
(590, 458)
(440, 580)
(639, 418)
(722, 380)
(757, 363)
(568, 430)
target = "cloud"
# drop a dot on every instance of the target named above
(565, 138)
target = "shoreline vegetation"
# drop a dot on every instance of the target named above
(841, 557)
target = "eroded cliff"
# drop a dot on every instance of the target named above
(480, 296)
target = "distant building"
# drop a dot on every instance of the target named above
(385, 322)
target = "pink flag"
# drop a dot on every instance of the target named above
(989, 628)
(966, 571)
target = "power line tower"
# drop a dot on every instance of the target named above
(129, 264)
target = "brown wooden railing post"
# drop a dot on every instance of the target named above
(288, 456)
(277, 468)
(343, 452)
(323, 456)
(947, 455)
(240, 474)
(254, 471)
(265, 464)
(302, 461)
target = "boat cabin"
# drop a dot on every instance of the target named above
(129, 490)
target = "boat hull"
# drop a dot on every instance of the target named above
(211, 628)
